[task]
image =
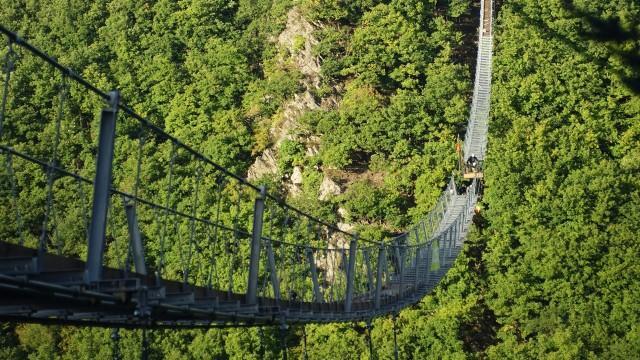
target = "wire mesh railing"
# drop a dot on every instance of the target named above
(85, 176)
(475, 137)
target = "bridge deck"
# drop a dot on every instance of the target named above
(475, 142)
(37, 286)
(53, 290)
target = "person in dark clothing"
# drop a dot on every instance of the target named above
(473, 162)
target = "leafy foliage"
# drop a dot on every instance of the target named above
(552, 272)
(562, 196)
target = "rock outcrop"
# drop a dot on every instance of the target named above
(328, 188)
(265, 164)
(297, 38)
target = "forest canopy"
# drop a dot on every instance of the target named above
(372, 96)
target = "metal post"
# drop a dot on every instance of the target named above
(418, 261)
(115, 344)
(447, 241)
(135, 238)
(431, 231)
(424, 230)
(451, 242)
(8, 67)
(369, 340)
(314, 276)
(345, 262)
(101, 188)
(445, 245)
(256, 238)
(367, 262)
(275, 282)
(453, 184)
(428, 275)
(304, 342)
(144, 353)
(396, 252)
(417, 232)
(443, 250)
(351, 271)
(400, 258)
(382, 258)
(283, 339)
(395, 337)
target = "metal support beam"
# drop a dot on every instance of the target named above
(382, 259)
(115, 344)
(397, 259)
(417, 270)
(351, 272)
(443, 249)
(345, 262)
(314, 276)
(418, 261)
(101, 189)
(369, 340)
(367, 262)
(429, 259)
(424, 230)
(135, 239)
(451, 241)
(447, 242)
(256, 238)
(283, 338)
(401, 252)
(273, 272)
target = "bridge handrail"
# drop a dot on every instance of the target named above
(405, 265)
(472, 121)
(15, 39)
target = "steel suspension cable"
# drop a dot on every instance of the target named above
(213, 268)
(283, 339)
(172, 159)
(395, 336)
(51, 166)
(369, 327)
(8, 67)
(83, 208)
(194, 212)
(304, 342)
(136, 185)
(115, 344)
(111, 226)
(261, 342)
(14, 196)
(144, 351)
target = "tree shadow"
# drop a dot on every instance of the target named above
(621, 43)
(617, 38)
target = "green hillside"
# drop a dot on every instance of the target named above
(351, 109)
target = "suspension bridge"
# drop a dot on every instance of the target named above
(88, 239)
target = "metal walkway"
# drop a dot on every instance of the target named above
(107, 245)
(477, 127)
